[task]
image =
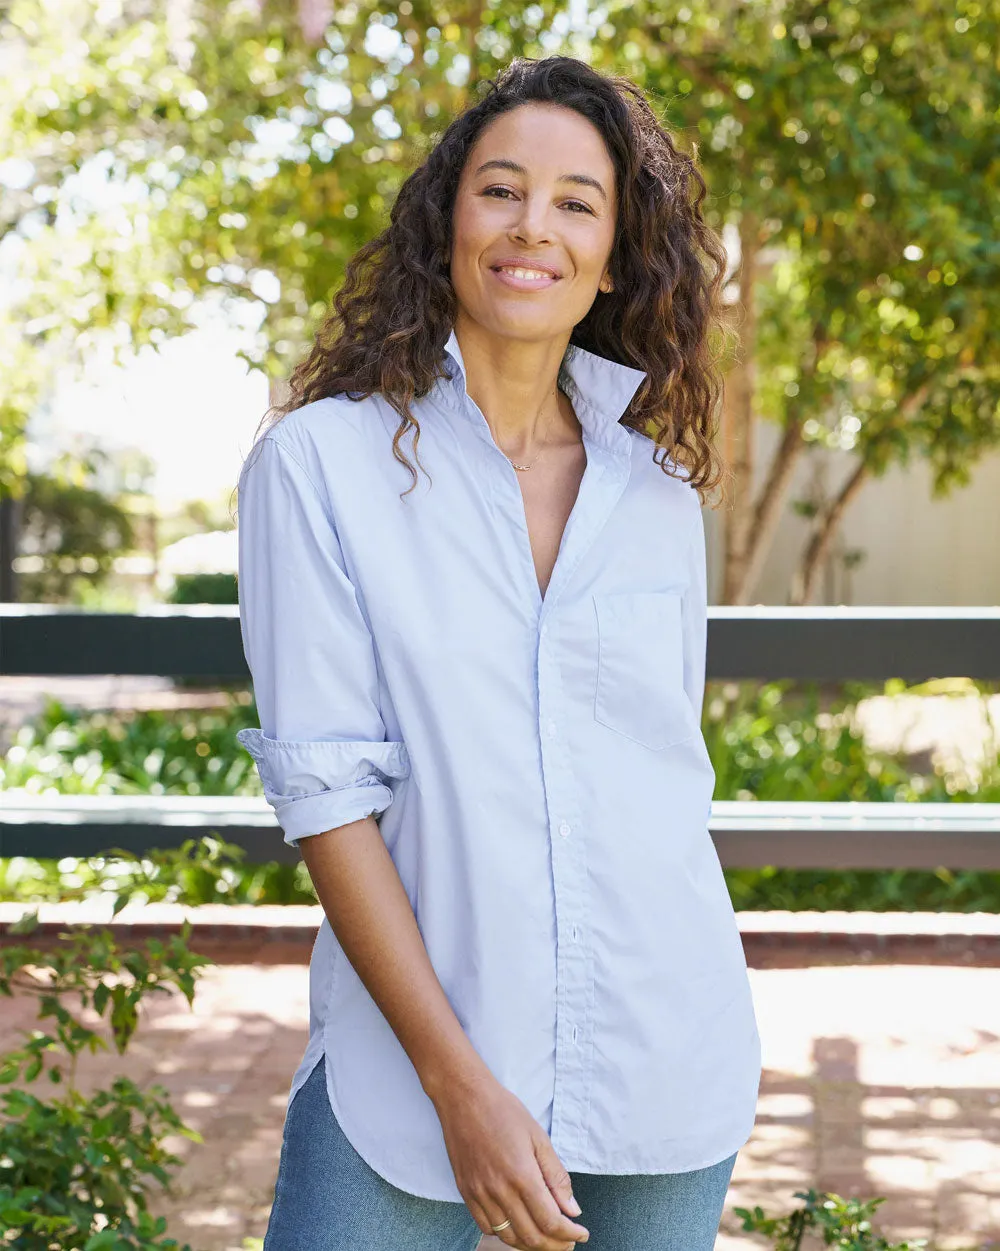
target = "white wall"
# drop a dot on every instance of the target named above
(918, 549)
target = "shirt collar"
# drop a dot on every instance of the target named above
(600, 388)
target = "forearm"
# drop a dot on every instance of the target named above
(367, 906)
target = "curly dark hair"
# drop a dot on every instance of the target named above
(392, 315)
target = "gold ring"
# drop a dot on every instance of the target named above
(496, 1228)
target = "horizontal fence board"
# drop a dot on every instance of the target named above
(756, 643)
(764, 643)
(747, 835)
(54, 826)
(857, 835)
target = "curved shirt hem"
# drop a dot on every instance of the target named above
(349, 1130)
(716, 1156)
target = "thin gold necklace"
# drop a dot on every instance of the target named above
(520, 468)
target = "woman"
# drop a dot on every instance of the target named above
(480, 700)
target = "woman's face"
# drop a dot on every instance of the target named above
(538, 187)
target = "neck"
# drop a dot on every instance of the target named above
(514, 382)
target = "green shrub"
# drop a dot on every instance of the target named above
(200, 871)
(204, 588)
(75, 1171)
(772, 741)
(863, 890)
(843, 1223)
(782, 742)
(73, 752)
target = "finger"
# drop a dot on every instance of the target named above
(495, 1215)
(482, 1218)
(557, 1179)
(548, 1218)
(553, 1234)
(510, 1239)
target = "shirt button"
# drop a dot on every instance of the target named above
(565, 829)
(551, 729)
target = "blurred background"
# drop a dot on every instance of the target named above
(181, 185)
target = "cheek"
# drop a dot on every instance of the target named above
(469, 232)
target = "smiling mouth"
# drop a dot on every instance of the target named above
(518, 271)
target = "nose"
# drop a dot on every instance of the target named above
(532, 223)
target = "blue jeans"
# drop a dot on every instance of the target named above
(327, 1198)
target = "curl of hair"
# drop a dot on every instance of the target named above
(395, 308)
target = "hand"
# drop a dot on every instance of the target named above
(506, 1167)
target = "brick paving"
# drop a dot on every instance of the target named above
(879, 1079)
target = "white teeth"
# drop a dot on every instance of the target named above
(524, 273)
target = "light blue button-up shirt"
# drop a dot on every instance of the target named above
(537, 763)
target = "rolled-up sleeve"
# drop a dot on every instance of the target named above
(321, 750)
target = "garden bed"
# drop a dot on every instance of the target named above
(284, 933)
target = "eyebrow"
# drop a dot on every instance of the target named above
(584, 180)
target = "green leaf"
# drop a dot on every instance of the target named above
(25, 924)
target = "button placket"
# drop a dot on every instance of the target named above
(574, 974)
(608, 469)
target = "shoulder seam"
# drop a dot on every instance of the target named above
(279, 443)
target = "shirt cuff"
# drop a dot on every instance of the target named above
(316, 786)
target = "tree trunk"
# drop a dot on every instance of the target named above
(737, 420)
(819, 544)
(827, 524)
(767, 511)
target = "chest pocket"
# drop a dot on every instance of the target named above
(640, 667)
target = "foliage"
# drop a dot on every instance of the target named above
(204, 588)
(200, 871)
(74, 752)
(771, 741)
(785, 741)
(863, 890)
(244, 153)
(75, 1170)
(841, 152)
(843, 1223)
(775, 742)
(74, 524)
(226, 153)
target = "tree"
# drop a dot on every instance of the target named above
(248, 152)
(850, 146)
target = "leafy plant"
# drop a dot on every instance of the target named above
(777, 741)
(77, 752)
(843, 1223)
(204, 588)
(75, 1169)
(200, 871)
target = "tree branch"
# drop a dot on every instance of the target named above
(826, 527)
(819, 544)
(767, 509)
(737, 415)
